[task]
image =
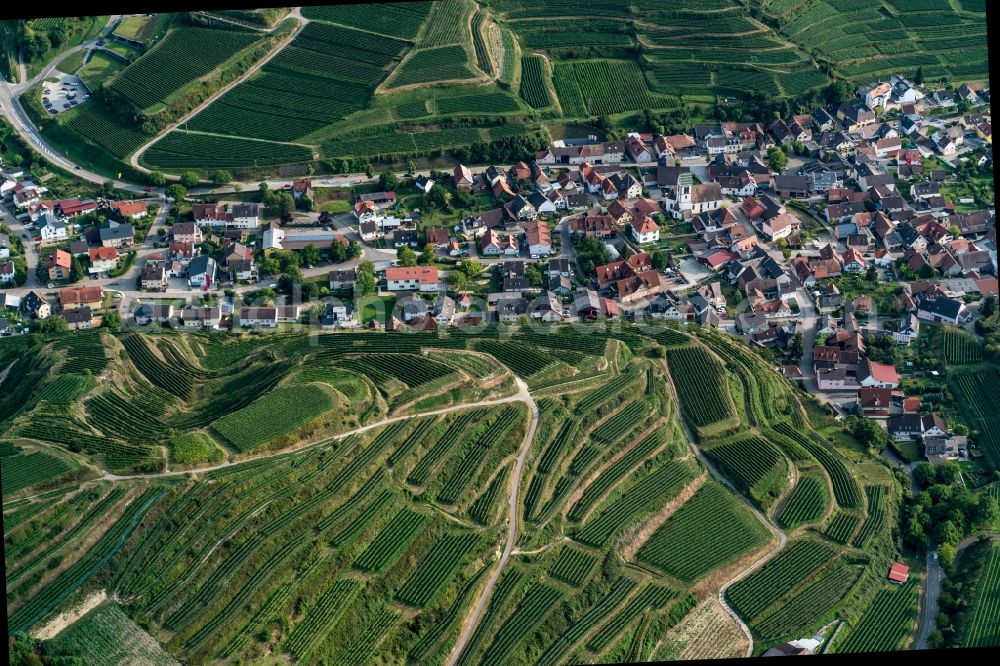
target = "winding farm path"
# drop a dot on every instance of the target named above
(522, 395)
(472, 621)
(782, 537)
(295, 14)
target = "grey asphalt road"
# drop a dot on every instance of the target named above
(929, 607)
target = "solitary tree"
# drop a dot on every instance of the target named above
(156, 179)
(472, 268)
(918, 78)
(777, 159)
(112, 319)
(76, 270)
(176, 191)
(310, 254)
(659, 260)
(189, 179)
(286, 204)
(388, 181)
(367, 283)
(406, 257)
(988, 306)
(221, 177)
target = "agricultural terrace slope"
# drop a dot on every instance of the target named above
(360, 78)
(363, 499)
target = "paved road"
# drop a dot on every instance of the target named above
(469, 626)
(31, 257)
(929, 607)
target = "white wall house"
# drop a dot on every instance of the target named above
(645, 230)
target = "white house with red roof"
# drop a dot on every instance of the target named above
(644, 230)
(637, 150)
(881, 375)
(366, 211)
(412, 278)
(133, 210)
(779, 226)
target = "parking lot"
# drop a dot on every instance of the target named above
(64, 95)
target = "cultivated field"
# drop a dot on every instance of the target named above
(321, 544)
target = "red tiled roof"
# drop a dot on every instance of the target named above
(80, 295)
(987, 286)
(99, 253)
(718, 258)
(644, 225)
(60, 258)
(425, 274)
(883, 372)
(898, 573)
(128, 208)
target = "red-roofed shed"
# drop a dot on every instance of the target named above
(898, 573)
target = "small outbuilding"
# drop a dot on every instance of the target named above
(898, 573)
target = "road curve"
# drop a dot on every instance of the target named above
(473, 621)
(521, 396)
(303, 22)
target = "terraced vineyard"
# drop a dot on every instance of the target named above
(701, 387)
(443, 63)
(974, 390)
(24, 470)
(534, 74)
(396, 19)
(573, 566)
(708, 531)
(983, 630)
(181, 57)
(326, 73)
(373, 546)
(754, 595)
(754, 465)
(886, 623)
(277, 414)
(807, 503)
(959, 347)
(186, 150)
(801, 611)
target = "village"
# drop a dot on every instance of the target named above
(828, 239)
